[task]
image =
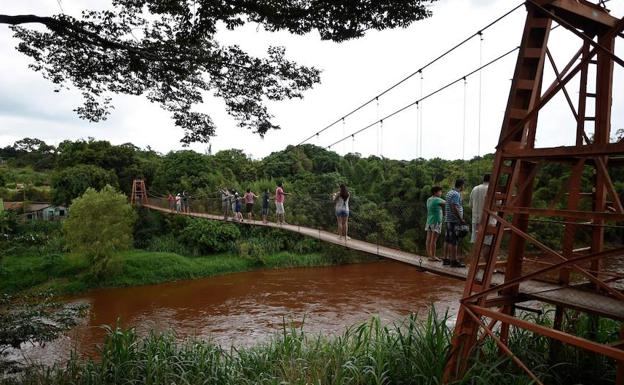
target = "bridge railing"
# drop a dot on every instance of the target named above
(371, 222)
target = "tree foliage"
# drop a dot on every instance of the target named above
(35, 320)
(100, 223)
(167, 51)
(72, 182)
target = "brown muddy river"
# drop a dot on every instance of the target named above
(246, 308)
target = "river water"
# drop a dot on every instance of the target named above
(246, 308)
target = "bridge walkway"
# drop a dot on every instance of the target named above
(532, 290)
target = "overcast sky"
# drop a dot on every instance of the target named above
(353, 72)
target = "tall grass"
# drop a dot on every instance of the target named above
(411, 352)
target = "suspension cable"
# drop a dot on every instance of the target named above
(479, 96)
(420, 139)
(396, 112)
(464, 124)
(419, 71)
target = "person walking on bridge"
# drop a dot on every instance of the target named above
(435, 204)
(178, 202)
(280, 196)
(171, 201)
(454, 218)
(341, 199)
(249, 203)
(185, 202)
(225, 202)
(265, 205)
(237, 207)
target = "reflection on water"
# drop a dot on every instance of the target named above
(245, 308)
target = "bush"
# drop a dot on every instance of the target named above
(99, 225)
(168, 244)
(206, 237)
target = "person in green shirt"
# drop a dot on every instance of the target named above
(435, 204)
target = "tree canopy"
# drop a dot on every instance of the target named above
(167, 51)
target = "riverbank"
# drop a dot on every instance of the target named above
(65, 273)
(411, 352)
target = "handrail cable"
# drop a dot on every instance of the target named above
(478, 33)
(416, 102)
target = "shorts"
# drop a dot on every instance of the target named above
(342, 213)
(434, 227)
(279, 207)
(450, 236)
(249, 207)
(265, 211)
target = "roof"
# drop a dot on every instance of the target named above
(12, 205)
(32, 207)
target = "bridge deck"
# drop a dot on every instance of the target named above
(542, 291)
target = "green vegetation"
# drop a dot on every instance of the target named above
(71, 273)
(413, 352)
(32, 320)
(100, 224)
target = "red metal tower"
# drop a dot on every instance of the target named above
(510, 266)
(139, 192)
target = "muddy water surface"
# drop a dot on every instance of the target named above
(246, 308)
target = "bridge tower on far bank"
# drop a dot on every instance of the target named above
(585, 206)
(139, 192)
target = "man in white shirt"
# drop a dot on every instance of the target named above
(477, 201)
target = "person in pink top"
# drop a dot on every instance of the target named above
(249, 203)
(280, 195)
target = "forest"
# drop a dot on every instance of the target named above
(388, 196)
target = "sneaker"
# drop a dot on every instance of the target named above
(446, 261)
(457, 264)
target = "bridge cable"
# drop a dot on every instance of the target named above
(396, 112)
(420, 134)
(480, 96)
(464, 124)
(419, 71)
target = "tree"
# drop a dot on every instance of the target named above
(167, 51)
(72, 182)
(32, 320)
(100, 223)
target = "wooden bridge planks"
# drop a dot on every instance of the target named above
(542, 291)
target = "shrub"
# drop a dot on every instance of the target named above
(206, 237)
(99, 225)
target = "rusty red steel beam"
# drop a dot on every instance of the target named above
(580, 34)
(583, 343)
(548, 95)
(567, 262)
(569, 152)
(602, 168)
(548, 250)
(527, 182)
(502, 346)
(564, 89)
(574, 214)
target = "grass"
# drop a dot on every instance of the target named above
(412, 352)
(69, 274)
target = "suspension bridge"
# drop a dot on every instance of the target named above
(532, 290)
(501, 276)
